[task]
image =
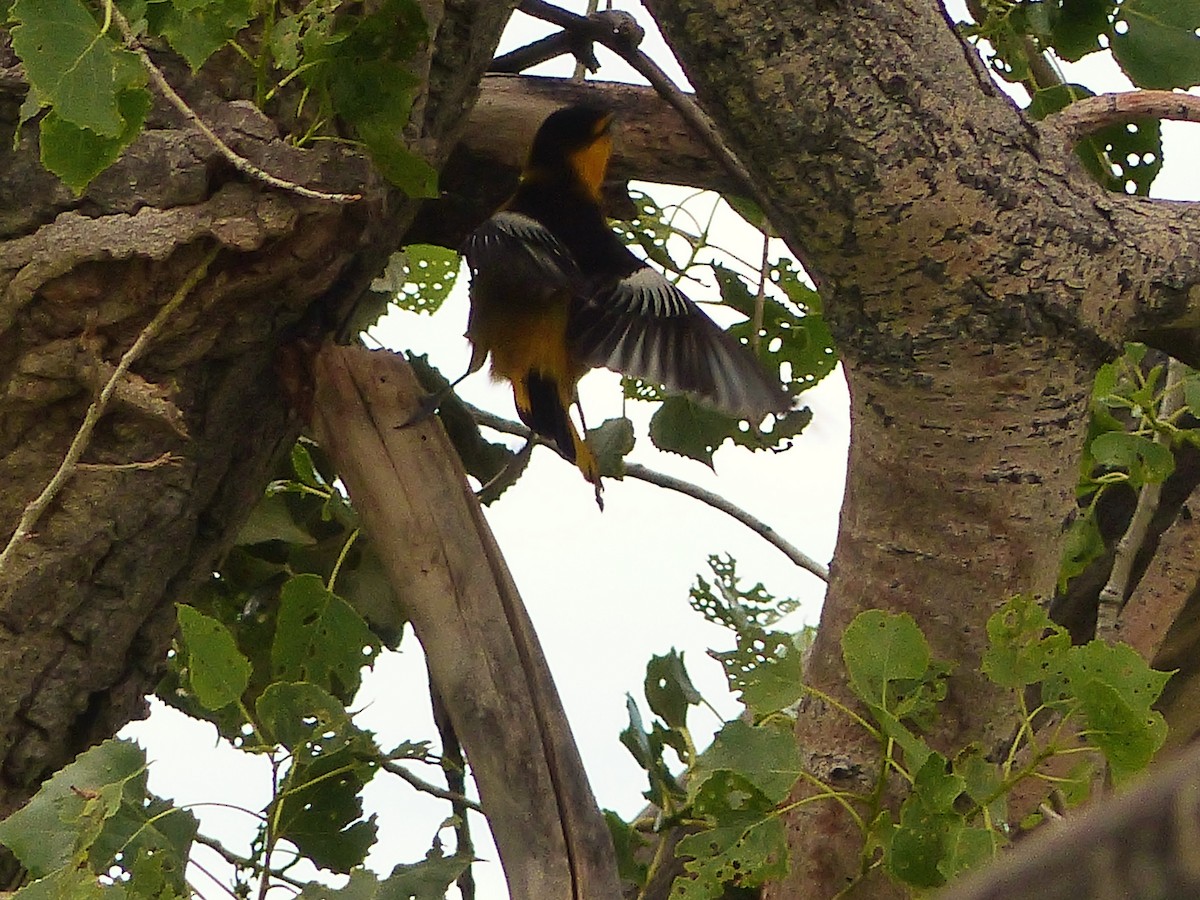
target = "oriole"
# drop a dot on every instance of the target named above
(555, 293)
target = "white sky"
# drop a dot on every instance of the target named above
(606, 591)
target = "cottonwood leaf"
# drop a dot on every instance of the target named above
(1157, 42)
(216, 669)
(320, 638)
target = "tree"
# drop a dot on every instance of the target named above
(975, 277)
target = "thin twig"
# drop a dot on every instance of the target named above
(716, 501)
(1112, 595)
(427, 787)
(1083, 117)
(33, 512)
(242, 862)
(239, 162)
(165, 459)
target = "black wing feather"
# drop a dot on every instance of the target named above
(645, 327)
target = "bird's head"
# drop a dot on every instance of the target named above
(576, 141)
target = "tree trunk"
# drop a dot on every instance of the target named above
(87, 598)
(975, 278)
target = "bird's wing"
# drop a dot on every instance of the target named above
(517, 249)
(644, 326)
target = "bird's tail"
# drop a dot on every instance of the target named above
(545, 407)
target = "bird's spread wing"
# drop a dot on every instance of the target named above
(517, 249)
(645, 327)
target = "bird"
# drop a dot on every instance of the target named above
(555, 293)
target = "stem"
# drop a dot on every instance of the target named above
(33, 512)
(337, 566)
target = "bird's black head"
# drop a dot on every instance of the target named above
(574, 140)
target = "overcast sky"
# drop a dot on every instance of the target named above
(606, 591)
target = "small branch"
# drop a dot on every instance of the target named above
(165, 459)
(240, 163)
(1083, 117)
(66, 469)
(1112, 595)
(623, 40)
(242, 862)
(716, 501)
(428, 787)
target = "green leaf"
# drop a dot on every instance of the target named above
(629, 846)
(765, 755)
(292, 713)
(1116, 690)
(1157, 42)
(1124, 157)
(669, 690)
(801, 343)
(217, 670)
(196, 29)
(1079, 26)
(929, 827)
(967, 848)
(745, 846)
(424, 276)
(880, 649)
(272, 519)
(321, 808)
(1128, 737)
(767, 669)
(1020, 651)
(77, 155)
(1146, 460)
(66, 884)
(320, 638)
(428, 879)
(611, 442)
(647, 748)
(62, 821)
(690, 429)
(77, 71)
(1082, 546)
(734, 606)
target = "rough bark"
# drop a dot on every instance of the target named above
(86, 602)
(974, 277)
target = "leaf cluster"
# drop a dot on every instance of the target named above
(929, 816)
(272, 654)
(1153, 41)
(352, 59)
(1130, 443)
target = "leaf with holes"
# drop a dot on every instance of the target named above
(421, 276)
(320, 638)
(767, 669)
(765, 755)
(1077, 30)
(1020, 651)
(743, 847)
(1157, 42)
(669, 689)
